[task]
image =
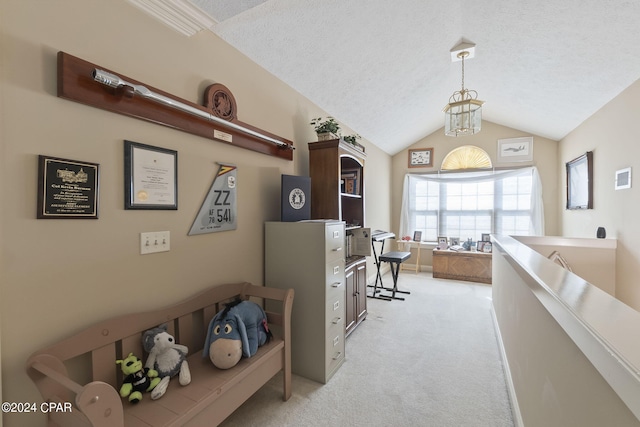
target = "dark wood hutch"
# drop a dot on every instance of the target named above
(337, 192)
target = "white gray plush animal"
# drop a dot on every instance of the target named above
(166, 357)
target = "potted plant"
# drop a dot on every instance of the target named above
(352, 139)
(326, 128)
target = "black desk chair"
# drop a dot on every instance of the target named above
(394, 259)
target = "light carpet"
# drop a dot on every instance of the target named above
(431, 360)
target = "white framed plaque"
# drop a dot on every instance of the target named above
(151, 177)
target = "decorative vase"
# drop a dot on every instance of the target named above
(601, 233)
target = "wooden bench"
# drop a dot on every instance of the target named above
(95, 379)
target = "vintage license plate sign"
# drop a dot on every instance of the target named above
(218, 211)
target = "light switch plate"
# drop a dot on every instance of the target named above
(155, 241)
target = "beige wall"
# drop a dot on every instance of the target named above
(544, 153)
(609, 133)
(59, 276)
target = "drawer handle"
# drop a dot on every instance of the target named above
(336, 284)
(337, 356)
(337, 249)
(336, 320)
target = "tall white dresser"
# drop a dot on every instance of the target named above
(309, 257)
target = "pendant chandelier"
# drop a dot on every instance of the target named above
(463, 113)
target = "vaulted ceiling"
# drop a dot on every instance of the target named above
(383, 68)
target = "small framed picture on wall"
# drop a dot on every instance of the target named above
(420, 157)
(515, 150)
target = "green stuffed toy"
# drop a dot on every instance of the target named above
(137, 380)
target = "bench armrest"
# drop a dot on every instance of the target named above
(98, 401)
(285, 296)
(102, 404)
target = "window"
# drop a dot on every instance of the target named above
(466, 205)
(466, 157)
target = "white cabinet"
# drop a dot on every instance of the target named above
(309, 257)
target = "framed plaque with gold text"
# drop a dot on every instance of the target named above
(67, 188)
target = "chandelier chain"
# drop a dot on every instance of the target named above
(462, 73)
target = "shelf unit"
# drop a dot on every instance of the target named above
(337, 182)
(337, 192)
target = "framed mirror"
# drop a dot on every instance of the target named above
(580, 182)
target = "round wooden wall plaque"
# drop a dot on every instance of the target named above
(220, 101)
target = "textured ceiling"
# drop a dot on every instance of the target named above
(383, 68)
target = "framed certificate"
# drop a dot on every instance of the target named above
(150, 177)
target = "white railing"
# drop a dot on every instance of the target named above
(572, 350)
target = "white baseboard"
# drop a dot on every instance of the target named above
(515, 408)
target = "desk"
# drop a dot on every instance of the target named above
(407, 245)
(463, 265)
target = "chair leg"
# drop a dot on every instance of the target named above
(394, 290)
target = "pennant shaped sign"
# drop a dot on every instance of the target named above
(218, 211)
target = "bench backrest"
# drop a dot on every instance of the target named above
(187, 321)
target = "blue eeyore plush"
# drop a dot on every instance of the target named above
(236, 331)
